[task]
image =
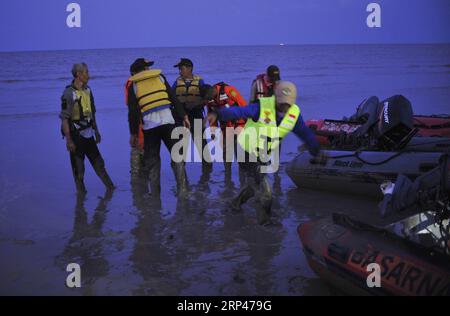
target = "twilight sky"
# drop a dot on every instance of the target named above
(41, 24)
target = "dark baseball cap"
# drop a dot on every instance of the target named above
(184, 62)
(140, 64)
(273, 72)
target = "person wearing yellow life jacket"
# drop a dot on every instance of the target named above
(150, 102)
(264, 84)
(187, 89)
(80, 129)
(222, 95)
(267, 123)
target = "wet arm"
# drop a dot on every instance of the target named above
(66, 113)
(133, 112)
(66, 129)
(94, 121)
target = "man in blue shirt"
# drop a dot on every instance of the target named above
(268, 123)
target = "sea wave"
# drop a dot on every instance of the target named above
(59, 79)
(34, 115)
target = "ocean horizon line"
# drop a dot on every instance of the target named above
(218, 46)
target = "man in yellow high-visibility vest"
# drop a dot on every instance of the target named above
(267, 124)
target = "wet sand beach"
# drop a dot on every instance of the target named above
(129, 244)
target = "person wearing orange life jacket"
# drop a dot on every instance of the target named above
(264, 84)
(218, 96)
(150, 101)
(225, 95)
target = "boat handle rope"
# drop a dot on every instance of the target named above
(356, 155)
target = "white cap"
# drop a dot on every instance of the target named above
(285, 92)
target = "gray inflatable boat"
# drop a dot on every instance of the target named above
(358, 172)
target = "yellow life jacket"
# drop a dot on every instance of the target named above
(82, 109)
(189, 95)
(151, 91)
(264, 135)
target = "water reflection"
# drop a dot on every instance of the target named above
(86, 244)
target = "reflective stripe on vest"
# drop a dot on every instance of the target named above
(262, 88)
(151, 91)
(188, 94)
(223, 98)
(228, 96)
(264, 135)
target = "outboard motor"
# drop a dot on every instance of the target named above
(395, 123)
(367, 110)
(421, 209)
(411, 197)
(367, 114)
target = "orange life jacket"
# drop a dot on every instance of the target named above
(229, 96)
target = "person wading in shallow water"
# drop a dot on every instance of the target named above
(187, 90)
(267, 124)
(262, 87)
(80, 129)
(222, 95)
(150, 100)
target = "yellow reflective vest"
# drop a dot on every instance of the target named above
(264, 135)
